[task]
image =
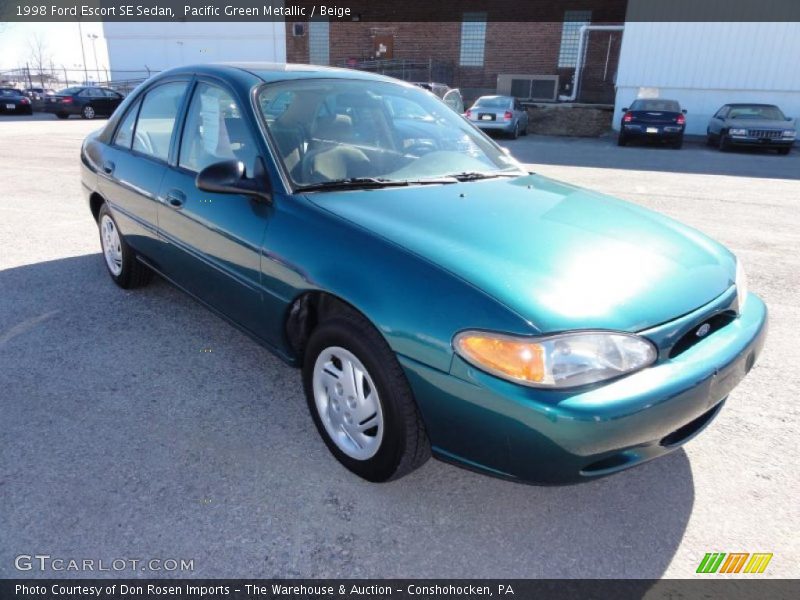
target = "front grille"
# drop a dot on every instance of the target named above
(690, 338)
(765, 133)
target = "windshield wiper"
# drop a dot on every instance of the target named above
(475, 175)
(354, 183)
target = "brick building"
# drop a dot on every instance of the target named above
(487, 40)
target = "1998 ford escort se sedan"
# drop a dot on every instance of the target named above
(437, 297)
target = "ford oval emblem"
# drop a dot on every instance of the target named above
(703, 330)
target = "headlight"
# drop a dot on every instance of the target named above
(737, 131)
(741, 284)
(789, 133)
(556, 361)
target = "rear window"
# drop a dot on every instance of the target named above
(493, 102)
(656, 105)
(9, 92)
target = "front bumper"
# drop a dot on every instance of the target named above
(763, 142)
(547, 436)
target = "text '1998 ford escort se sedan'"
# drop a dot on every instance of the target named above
(437, 297)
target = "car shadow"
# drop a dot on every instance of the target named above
(136, 423)
(694, 158)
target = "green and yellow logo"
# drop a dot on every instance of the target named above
(735, 562)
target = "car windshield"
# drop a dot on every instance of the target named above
(656, 105)
(70, 91)
(374, 132)
(771, 113)
(493, 102)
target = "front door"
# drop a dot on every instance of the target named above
(213, 241)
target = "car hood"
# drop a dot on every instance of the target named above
(759, 124)
(559, 256)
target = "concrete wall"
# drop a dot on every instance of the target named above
(134, 47)
(706, 65)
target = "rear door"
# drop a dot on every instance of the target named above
(213, 241)
(135, 161)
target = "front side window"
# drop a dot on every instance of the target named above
(157, 119)
(342, 129)
(215, 131)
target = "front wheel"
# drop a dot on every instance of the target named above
(360, 400)
(126, 271)
(724, 143)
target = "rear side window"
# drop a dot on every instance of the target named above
(157, 119)
(124, 135)
(215, 131)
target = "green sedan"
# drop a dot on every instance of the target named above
(437, 298)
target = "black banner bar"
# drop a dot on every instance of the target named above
(603, 11)
(711, 587)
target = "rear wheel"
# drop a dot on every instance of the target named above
(678, 143)
(515, 133)
(621, 140)
(88, 112)
(125, 270)
(360, 400)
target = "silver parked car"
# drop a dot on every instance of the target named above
(499, 113)
(751, 125)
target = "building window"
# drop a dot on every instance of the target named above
(570, 36)
(319, 45)
(473, 39)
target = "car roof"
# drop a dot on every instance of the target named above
(740, 104)
(269, 72)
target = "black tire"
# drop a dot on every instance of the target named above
(621, 140)
(524, 130)
(404, 446)
(678, 143)
(724, 144)
(62, 115)
(88, 112)
(134, 274)
(515, 133)
(784, 151)
(709, 138)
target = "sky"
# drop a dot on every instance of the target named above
(62, 42)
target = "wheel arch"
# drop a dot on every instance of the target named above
(96, 201)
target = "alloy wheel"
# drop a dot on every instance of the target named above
(88, 112)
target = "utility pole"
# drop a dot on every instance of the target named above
(93, 37)
(83, 54)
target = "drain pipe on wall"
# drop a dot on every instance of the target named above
(581, 50)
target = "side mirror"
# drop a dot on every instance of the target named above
(229, 177)
(625, 109)
(684, 111)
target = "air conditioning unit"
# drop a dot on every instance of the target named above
(541, 88)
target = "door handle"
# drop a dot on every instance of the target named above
(175, 198)
(108, 167)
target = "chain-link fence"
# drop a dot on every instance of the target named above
(57, 78)
(408, 70)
